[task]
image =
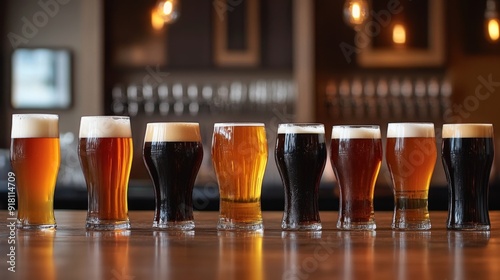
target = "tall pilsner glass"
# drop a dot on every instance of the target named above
(173, 153)
(105, 150)
(411, 156)
(239, 155)
(356, 156)
(300, 156)
(35, 158)
(467, 154)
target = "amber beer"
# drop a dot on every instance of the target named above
(239, 155)
(105, 150)
(300, 156)
(467, 154)
(172, 154)
(35, 158)
(356, 157)
(411, 156)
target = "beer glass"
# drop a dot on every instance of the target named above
(411, 156)
(356, 157)
(467, 154)
(105, 151)
(35, 158)
(239, 156)
(172, 154)
(300, 156)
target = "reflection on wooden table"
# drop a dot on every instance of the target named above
(71, 252)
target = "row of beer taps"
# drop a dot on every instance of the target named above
(387, 98)
(179, 98)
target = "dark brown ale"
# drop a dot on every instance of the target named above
(105, 150)
(356, 157)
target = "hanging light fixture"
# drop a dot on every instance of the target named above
(355, 13)
(168, 10)
(491, 22)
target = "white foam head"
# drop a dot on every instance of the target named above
(408, 130)
(468, 130)
(105, 127)
(298, 128)
(172, 132)
(238, 124)
(355, 132)
(35, 126)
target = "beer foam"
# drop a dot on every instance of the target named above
(301, 128)
(172, 132)
(408, 130)
(237, 124)
(468, 130)
(35, 125)
(356, 132)
(105, 126)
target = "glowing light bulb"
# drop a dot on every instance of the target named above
(156, 20)
(493, 30)
(399, 34)
(491, 22)
(355, 13)
(168, 10)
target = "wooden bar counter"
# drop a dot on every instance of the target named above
(71, 252)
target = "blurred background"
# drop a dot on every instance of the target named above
(207, 61)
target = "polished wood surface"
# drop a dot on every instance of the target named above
(71, 252)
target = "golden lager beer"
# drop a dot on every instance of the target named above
(239, 155)
(356, 157)
(35, 158)
(411, 156)
(105, 150)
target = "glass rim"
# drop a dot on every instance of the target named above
(468, 124)
(172, 123)
(301, 124)
(356, 132)
(226, 124)
(35, 115)
(373, 126)
(301, 128)
(105, 117)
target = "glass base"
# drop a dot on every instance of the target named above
(301, 226)
(26, 226)
(406, 225)
(96, 224)
(356, 225)
(228, 224)
(182, 225)
(469, 227)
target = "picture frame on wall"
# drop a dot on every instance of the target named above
(236, 33)
(378, 44)
(41, 78)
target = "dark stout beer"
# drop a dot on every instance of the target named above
(300, 155)
(467, 154)
(173, 153)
